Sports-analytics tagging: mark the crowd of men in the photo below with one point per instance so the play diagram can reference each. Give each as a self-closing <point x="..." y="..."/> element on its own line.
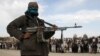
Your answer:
<point x="76" y="45"/>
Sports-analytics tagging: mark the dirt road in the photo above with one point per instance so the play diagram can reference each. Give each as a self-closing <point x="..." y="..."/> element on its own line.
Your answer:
<point x="17" y="53"/>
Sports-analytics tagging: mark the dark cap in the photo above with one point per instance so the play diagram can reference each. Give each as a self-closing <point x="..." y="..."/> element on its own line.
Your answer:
<point x="33" y="4"/>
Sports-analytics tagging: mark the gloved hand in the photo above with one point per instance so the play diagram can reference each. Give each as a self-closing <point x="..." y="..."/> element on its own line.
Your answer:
<point x="55" y="27"/>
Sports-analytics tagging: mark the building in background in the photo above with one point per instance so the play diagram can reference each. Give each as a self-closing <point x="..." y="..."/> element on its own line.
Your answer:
<point x="8" y="43"/>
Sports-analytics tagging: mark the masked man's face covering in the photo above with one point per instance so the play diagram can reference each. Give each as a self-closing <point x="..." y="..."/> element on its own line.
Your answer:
<point x="32" y="9"/>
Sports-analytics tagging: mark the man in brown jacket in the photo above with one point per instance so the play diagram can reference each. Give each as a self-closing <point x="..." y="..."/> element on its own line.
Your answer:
<point x="28" y="41"/>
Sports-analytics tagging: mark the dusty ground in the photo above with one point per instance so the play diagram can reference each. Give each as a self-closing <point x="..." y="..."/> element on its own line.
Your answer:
<point x="73" y="54"/>
<point x="17" y="53"/>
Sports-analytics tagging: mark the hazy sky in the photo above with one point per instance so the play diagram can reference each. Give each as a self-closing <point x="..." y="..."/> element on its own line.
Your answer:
<point x="58" y="12"/>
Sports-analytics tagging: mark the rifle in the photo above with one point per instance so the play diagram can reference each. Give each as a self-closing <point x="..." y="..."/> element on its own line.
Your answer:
<point x="40" y="30"/>
<point x="47" y="29"/>
<point x="40" y="36"/>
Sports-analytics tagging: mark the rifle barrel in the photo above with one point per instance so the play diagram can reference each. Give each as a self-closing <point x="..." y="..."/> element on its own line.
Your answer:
<point x="34" y="29"/>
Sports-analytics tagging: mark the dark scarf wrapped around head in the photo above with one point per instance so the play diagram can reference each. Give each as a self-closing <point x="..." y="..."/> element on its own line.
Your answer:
<point x="32" y="9"/>
<point x="32" y="12"/>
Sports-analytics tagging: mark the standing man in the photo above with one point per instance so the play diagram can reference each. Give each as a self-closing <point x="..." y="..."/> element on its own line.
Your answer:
<point x="29" y="44"/>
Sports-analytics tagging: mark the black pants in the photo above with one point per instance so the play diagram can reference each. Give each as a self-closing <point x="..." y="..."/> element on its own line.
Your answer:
<point x="34" y="55"/>
<point x="30" y="55"/>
